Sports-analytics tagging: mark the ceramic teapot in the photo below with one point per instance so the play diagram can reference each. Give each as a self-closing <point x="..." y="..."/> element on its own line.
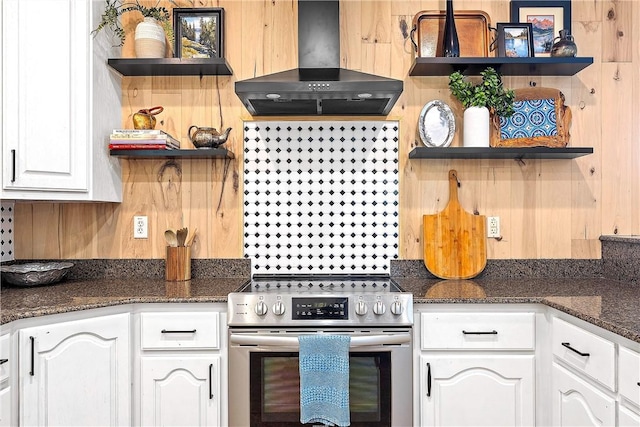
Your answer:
<point x="206" y="137"/>
<point x="144" y="119"/>
<point x="564" y="46"/>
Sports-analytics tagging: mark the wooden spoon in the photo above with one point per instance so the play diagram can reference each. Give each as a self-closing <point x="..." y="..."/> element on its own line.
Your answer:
<point x="171" y="238"/>
<point x="181" y="235"/>
<point x="193" y="235"/>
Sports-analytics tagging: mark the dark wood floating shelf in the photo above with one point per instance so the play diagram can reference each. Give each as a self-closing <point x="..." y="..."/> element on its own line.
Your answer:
<point x="498" y="153"/>
<point x="201" y="153"/>
<point x="546" y="66"/>
<point x="171" y="66"/>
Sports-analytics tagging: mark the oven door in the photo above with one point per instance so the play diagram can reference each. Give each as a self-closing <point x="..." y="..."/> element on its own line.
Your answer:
<point x="264" y="381"/>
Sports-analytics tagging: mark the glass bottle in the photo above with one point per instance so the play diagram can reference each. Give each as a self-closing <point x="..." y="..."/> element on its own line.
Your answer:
<point x="450" y="44"/>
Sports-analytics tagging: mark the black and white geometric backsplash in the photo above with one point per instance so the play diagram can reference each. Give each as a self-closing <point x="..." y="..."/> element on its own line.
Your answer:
<point x="6" y="231"/>
<point x="321" y="197"/>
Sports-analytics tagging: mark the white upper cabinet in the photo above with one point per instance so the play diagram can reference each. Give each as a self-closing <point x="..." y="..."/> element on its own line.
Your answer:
<point x="60" y="101"/>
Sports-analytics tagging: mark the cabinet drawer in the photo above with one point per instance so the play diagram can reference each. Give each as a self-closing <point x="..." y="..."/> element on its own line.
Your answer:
<point x="588" y="353"/>
<point x="4" y="355"/>
<point x="629" y="374"/>
<point x="478" y="331"/>
<point x="180" y="330"/>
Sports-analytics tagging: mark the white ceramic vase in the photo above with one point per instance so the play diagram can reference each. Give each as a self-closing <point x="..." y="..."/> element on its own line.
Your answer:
<point x="476" y="127"/>
<point x="150" y="39"/>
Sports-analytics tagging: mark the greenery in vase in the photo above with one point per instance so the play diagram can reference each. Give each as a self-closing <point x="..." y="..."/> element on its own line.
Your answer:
<point x="489" y="93"/>
<point x="115" y="8"/>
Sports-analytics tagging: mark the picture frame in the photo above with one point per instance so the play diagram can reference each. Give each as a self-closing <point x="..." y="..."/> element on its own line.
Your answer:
<point x="515" y="40"/>
<point x="547" y="17"/>
<point x="198" y="32"/>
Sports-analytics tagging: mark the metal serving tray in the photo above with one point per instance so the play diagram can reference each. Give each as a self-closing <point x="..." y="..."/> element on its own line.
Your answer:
<point x="472" y="27"/>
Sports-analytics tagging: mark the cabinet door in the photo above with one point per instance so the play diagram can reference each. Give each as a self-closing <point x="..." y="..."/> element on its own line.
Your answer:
<point x="180" y="391"/>
<point x="578" y="403"/>
<point x="5" y="407"/>
<point x="461" y="390"/>
<point x="5" y="387"/>
<point x="46" y="92"/>
<point x="76" y="373"/>
<point x="627" y="418"/>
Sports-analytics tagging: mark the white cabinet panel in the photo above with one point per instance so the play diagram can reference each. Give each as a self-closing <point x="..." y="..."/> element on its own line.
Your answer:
<point x="477" y="390"/>
<point x="590" y="354"/>
<point x="180" y="391"/>
<point x="5" y="407"/>
<point x="479" y="331"/>
<point x="59" y="103"/>
<point x="629" y="375"/>
<point x="76" y="373"/>
<point x="180" y="330"/>
<point x="627" y="418"/>
<point x="579" y="404"/>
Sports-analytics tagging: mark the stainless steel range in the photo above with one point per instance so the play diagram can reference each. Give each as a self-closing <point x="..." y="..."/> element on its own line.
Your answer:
<point x="268" y="314"/>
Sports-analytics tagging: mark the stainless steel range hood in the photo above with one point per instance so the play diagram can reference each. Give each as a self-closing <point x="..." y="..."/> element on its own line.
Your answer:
<point x="319" y="86"/>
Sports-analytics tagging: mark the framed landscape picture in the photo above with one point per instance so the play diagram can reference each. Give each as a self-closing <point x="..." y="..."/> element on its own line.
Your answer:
<point x="515" y="40"/>
<point x="198" y="32"/>
<point x="547" y="18"/>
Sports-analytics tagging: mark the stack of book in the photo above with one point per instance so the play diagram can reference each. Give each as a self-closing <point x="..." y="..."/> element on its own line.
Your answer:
<point x="142" y="139"/>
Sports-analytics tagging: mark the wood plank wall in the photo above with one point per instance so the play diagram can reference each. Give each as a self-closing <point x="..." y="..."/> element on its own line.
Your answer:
<point x="548" y="208"/>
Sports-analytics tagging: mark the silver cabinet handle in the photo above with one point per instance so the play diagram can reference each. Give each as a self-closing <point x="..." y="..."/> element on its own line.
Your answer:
<point x="3" y="361"/>
<point x="169" y="331"/>
<point x="358" y="341"/>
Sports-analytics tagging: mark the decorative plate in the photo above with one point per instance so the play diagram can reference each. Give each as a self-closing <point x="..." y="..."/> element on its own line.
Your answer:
<point x="436" y="125"/>
<point x="35" y="273"/>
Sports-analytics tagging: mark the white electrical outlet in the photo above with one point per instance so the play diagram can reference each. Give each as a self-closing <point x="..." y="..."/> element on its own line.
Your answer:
<point x="140" y="229"/>
<point x="493" y="226"/>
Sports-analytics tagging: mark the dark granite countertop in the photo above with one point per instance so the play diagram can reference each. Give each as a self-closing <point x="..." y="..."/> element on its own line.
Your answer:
<point x="612" y="305"/>
<point x="73" y="295"/>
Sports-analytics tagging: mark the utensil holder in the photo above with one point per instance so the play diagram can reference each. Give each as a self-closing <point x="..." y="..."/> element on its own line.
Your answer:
<point x="178" y="263"/>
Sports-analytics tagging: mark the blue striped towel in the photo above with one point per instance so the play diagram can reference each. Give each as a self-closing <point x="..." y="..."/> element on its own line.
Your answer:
<point x="324" y="379"/>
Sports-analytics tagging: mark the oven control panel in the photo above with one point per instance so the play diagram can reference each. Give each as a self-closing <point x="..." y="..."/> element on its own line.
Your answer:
<point x="269" y="309"/>
<point x="319" y="308"/>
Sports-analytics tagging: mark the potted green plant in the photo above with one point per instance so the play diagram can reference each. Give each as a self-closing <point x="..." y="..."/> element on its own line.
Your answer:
<point x="481" y="100"/>
<point x="150" y="34"/>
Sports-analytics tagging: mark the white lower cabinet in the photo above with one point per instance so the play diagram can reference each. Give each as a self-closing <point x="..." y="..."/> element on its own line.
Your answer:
<point x="490" y="390"/>
<point x="5" y="385"/>
<point x="627" y="418"/>
<point x="182" y="368"/>
<point x="578" y="403"/>
<point x="76" y="373"/>
<point x="476" y="368"/>
<point x="180" y="391"/>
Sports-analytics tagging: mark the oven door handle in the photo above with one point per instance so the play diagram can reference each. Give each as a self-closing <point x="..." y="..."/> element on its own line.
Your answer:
<point x="356" y="341"/>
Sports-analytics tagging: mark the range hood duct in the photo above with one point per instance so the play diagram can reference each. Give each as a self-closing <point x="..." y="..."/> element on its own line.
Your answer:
<point x="319" y="86"/>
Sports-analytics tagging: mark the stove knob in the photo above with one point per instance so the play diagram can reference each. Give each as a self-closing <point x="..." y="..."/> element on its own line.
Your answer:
<point x="261" y="308"/>
<point x="379" y="308"/>
<point x="278" y="308"/>
<point x="361" y="308"/>
<point x="396" y="308"/>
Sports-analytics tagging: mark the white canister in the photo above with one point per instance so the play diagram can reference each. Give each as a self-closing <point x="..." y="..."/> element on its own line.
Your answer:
<point x="476" y="127"/>
<point x="150" y="39"/>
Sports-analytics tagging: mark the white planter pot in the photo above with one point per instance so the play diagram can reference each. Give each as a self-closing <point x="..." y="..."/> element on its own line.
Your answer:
<point x="150" y="39"/>
<point x="476" y="127"/>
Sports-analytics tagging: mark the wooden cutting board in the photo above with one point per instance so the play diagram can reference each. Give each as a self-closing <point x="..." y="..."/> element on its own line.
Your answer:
<point x="454" y="240"/>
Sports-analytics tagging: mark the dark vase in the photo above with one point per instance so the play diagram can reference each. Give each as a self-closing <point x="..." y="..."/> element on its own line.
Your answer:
<point x="450" y="45"/>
